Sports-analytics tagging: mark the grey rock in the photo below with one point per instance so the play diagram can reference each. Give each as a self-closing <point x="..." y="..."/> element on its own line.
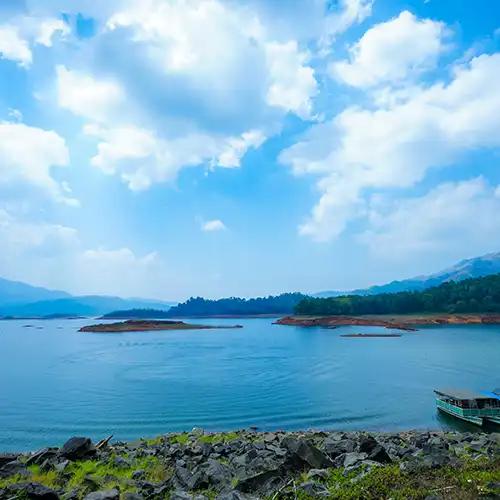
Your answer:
<point x="121" y="463"/>
<point x="217" y="473"/>
<point x="132" y="496"/>
<point x="317" y="474"/>
<point x="12" y="468"/>
<point x="138" y="474"/>
<point x="60" y="466"/>
<point x="354" y="459"/>
<point x="103" y="495"/>
<point x="374" y="450"/>
<point x="5" y="458"/>
<point x="41" y="456"/>
<point x="234" y="495"/>
<point x="263" y="483"/>
<point x="307" y="453"/>
<point x="180" y="495"/>
<point x="34" y="491"/>
<point x="336" y="447"/>
<point x="77" y="447"/>
<point x="313" y="489"/>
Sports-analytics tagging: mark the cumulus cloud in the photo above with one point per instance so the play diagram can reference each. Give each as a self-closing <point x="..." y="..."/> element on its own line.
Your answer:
<point x="83" y="95"/>
<point x="395" y="146"/>
<point x="213" y="225"/>
<point x="439" y="221"/>
<point x="53" y="255"/>
<point x="27" y="155"/>
<point x="21" y="33"/>
<point x="392" y="52"/>
<point x="13" y="47"/>
<point x="293" y="83"/>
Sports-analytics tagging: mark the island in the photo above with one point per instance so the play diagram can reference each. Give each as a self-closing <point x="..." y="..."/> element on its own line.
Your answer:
<point x="149" y="325"/>
<point x="408" y="322"/>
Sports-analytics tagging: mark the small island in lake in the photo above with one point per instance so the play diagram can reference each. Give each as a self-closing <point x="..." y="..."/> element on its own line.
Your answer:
<point x="148" y="325"/>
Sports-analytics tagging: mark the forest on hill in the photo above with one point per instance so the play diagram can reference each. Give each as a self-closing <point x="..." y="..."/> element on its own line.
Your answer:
<point x="477" y="295"/>
<point x="235" y="306"/>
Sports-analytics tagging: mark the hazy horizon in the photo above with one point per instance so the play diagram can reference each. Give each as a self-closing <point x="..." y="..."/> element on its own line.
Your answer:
<point x="217" y="148"/>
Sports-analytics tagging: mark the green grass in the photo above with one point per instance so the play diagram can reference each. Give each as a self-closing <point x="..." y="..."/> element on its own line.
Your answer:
<point x="88" y="475"/>
<point x="219" y="437"/>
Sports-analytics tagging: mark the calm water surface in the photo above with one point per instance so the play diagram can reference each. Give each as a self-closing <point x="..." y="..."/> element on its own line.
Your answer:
<point x="55" y="382"/>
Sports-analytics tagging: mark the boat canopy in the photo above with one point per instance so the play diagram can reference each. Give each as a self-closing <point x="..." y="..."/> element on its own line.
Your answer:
<point x="465" y="395"/>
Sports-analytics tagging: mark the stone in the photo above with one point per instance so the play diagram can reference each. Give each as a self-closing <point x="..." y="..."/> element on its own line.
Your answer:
<point x="77" y="447"/>
<point x="307" y="453"/>
<point x="13" y="468"/>
<point x="180" y="495"/>
<point x="315" y="490"/>
<point x="121" y="463"/>
<point x="336" y="447"/>
<point x="103" y="495"/>
<point x="60" y="466"/>
<point x="138" y="474"/>
<point x="264" y="482"/>
<point x="317" y="474"/>
<point x="5" y="458"/>
<point x="354" y="459"/>
<point x="42" y="456"/>
<point x="132" y="496"/>
<point x="374" y="450"/>
<point x="34" y="491"/>
<point x="217" y="473"/>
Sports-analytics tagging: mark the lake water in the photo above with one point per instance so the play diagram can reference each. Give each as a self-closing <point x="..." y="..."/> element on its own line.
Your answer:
<point x="55" y="382"/>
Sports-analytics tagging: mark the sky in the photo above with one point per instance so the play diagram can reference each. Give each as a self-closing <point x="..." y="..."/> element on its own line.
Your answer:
<point x="170" y="148"/>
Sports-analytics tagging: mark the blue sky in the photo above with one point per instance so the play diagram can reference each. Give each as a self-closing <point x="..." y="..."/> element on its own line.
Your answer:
<point x="168" y="148"/>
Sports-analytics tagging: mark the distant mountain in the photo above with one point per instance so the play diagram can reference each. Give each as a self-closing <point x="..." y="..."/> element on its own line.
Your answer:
<point x="138" y="314"/>
<point x="465" y="269"/>
<point x="15" y="292"/>
<point x="21" y="299"/>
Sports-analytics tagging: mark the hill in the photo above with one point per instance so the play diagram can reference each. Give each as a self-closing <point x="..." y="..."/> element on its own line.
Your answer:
<point x="234" y="306"/>
<point x="465" y="269"/>
<point x="138" y="314"/>
<point x="476" y="295"/>
<point x="23" y="300"/>
<point x="15" y="292"/>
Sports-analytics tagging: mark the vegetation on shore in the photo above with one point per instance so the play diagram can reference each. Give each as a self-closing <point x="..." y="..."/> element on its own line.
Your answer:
<point x="137" y="314"/>
<point x="235" y="306"/>
<point x="251" y="465"/>
<point x="479" y="295"/>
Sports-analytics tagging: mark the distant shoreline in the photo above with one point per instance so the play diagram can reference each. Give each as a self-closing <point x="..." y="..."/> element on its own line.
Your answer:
<point x="408" y="322"/>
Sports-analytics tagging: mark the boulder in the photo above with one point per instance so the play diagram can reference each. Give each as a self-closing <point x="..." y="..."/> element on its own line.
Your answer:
<point x="354" y="459"/>
<point x="307" y="453"/>
<point x="315" y="490"/>
<point x="13" y="468"/>
<point x="103" y="495"/>
<point x="132" y="496"/>
<point x="264" y="483"/>
<point x="5" y="458"/>
<point x="33" y="491"/>
<point x="374" y="450"/>
<point x="217" y="473"/>
<point x="336" y="447"/>
<point x="77" y="447"/>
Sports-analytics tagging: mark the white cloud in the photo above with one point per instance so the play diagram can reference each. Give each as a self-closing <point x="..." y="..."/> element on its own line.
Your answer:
<point x="53" y="255"/>
<point x="27" y="155"/>
<point x="449" y="218"/>
<point x="83" y="95"/>
<point x="141" y="157"/>
<point x="392" y="52"/>
<point x="213" y="225"/>
<point x="292" y="81"/>
<point x="236" y="147"/>
<point x="394" y="147"/>
<point x="13" y="46"/>
<point x="48" y="27"/>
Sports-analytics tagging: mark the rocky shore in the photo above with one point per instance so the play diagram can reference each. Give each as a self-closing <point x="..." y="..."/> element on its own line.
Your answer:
<point x="408" y="322"/>
<point x="249" y="465"/>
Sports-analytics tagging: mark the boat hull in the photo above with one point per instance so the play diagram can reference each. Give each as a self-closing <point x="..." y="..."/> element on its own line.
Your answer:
<point x="450" y="410"/>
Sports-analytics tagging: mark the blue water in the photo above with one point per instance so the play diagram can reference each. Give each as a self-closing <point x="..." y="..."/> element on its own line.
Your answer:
<point x="55" y="382"/>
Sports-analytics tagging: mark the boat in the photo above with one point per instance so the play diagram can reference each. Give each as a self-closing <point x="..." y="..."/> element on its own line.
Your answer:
<point x="475" y="407"/>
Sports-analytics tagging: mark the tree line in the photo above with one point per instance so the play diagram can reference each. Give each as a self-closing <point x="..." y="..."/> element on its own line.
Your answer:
<point x="476" y="295"/>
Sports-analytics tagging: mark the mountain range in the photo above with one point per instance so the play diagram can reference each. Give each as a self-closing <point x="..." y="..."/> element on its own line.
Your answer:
<point x="22" y="300"/>
<point x="468" y="268"/>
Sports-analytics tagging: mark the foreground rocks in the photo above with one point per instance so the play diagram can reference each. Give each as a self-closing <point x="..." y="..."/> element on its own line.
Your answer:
<point x="248" y="465"/>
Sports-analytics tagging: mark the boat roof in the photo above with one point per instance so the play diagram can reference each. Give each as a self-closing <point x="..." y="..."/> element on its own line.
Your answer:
<point x="466" y="394"/>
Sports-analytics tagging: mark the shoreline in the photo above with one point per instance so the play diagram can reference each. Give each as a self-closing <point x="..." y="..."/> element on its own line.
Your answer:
<point x="408" y="322"/>
<point x="247" y="464"/>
